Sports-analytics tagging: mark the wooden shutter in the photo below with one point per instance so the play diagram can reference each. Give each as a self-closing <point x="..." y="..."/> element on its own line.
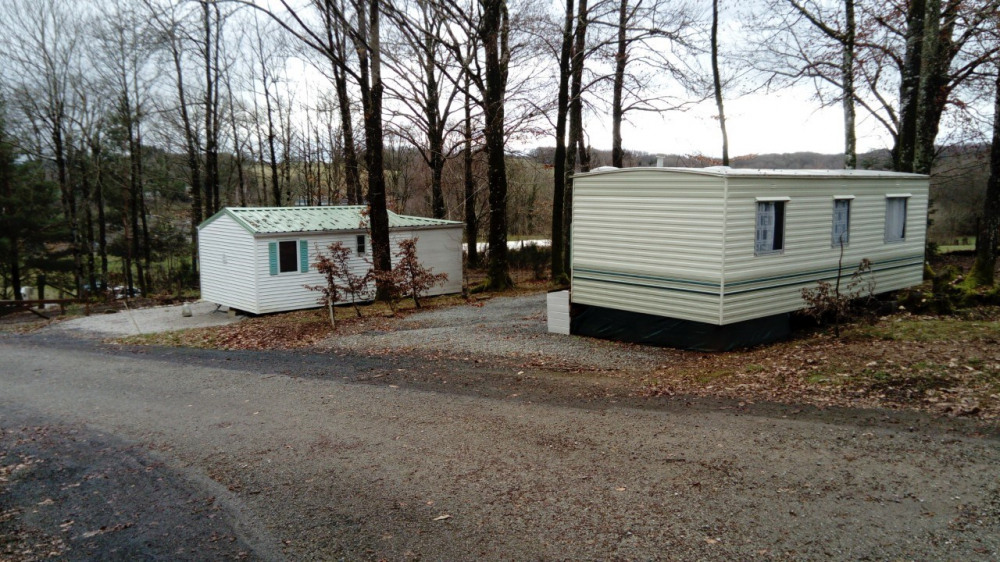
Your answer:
<point x="303" y="256"/>
<point x="272" y="257"/>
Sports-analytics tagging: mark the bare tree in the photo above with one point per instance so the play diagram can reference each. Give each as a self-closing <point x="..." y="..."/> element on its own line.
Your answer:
<point x="988" y="240"/>
<point x="421" y="90"/>
<point x="717" y="82"/>
<point x="362" y="27"/>
<point x="42" y="38"/>
<point x="169" y="22"/>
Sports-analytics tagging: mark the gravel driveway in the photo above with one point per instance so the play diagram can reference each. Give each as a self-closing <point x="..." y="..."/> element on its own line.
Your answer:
<point x="132" y="322"/>
<point x="502" y="329"/>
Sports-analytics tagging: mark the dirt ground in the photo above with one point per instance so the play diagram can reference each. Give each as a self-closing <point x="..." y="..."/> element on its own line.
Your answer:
<point x="347" y="455"/>
<point x="467" y="431"/>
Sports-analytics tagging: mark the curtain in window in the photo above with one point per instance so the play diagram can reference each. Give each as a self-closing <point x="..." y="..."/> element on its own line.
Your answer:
<point x="765" y="227"/>
<point x="895" y="219"/>
<point x="841" y="222"/>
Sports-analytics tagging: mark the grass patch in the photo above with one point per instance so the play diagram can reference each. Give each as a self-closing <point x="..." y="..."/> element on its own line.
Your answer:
<point x="926" y="329"/>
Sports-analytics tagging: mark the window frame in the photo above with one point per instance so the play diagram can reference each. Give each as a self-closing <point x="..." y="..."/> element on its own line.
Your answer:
<point x="834" y="242"/>
<point x="361" y="244"/>
<point x="295" y="261"/>
<point x="889" y="199"/>
<point x="780" y="224"/>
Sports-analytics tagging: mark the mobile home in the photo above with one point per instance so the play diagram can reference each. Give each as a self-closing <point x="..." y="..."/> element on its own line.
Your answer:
<point x="259" y="260"/>
<point x="714" y="258"/>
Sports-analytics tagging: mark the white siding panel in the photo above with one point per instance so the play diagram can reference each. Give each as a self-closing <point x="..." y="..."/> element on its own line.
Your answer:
<point x="226" y="256"/>
<point x="639" y="241"/>
<point x="648" y="300"/>
<point x="439" y="249"/>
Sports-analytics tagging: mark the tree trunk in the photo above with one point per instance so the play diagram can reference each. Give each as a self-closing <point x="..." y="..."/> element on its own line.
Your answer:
<point x="575" y="126"/>
<point x="493" y="27"/>
<point x="102" y="224"/>
<point x="352" y="175"/>
<point x="937" y="57"/>
<point x="909" y="88"/>
<point x="370" y="62"/>
<point x="471" y="221"/>
<point x="984" y="267"/>
<point x="559" y="158"/>
<point x="717" y="82"/>
<point x="272" y="152"/>
<point x="190" y="144"/>
<point x="618" y="85"/>
<point x="211" y="186"/>
<point x="68" y="196"/>
<point x="847" y="73"/>
<point x="435" y="128"/>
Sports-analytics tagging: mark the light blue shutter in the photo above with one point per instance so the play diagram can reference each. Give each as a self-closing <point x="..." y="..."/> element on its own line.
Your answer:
<point x="303" y="256"/>
<point x="272" y="257"/>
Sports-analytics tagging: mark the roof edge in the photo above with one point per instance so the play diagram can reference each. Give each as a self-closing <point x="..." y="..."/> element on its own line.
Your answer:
<point x="226" y="212"/>
<point x="727" y="172"/>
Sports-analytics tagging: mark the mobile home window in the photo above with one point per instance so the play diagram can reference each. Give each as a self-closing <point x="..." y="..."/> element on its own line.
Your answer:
<point x="361" y="244"/>
<point x="841" y="222"/>
<point x="770" y="238"/>
<point x="895" y="219"/>
<point x="288" y="256"/>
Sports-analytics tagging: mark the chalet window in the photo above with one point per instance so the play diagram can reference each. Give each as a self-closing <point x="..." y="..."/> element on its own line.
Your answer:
<point x="770" y="237"/>
<point x="361" y="244"/>
<point x="288" y="256"/>
<point x="895" y="218"/>
<point x="841" y="222"/>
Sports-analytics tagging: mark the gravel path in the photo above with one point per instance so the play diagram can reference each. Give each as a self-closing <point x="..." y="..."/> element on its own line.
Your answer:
<point x="145" y="321"/>
<point x="501" y="329"/>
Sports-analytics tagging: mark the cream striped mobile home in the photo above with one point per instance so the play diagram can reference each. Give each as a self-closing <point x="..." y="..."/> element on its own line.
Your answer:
<point x="717" y="257"/>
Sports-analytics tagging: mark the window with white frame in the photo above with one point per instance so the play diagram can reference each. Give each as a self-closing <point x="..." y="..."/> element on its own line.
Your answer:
<point x="895" y="218"/>
<point x="361" y="244"/>
<point x="770" y="236"/>
<point x="841" y="235"/>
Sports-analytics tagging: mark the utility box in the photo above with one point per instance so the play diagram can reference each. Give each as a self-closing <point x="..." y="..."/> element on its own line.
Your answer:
<point x="557" y="307"/>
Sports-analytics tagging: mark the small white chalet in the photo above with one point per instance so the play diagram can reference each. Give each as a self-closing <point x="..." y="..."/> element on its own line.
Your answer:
<point x="259" y="259"/>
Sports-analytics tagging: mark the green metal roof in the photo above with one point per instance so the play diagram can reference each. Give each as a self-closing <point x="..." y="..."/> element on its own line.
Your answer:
<point x="280" y="220"/>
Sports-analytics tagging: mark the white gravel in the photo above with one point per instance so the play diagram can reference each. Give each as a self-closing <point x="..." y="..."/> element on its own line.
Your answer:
<point x="507" y="328"/>
<point x="146" y="320"/>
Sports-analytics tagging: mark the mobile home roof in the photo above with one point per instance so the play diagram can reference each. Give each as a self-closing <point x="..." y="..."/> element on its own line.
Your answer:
<point x="727" y="172"/>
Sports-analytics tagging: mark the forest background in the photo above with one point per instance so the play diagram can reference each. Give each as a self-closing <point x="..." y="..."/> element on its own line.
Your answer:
<point x="125" y="123"/>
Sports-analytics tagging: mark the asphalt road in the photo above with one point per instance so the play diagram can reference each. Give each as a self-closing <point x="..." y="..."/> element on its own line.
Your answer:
<point x="325" y="456"/>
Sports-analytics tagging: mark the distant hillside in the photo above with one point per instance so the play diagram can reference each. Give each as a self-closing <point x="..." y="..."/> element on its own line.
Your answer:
<point x="874" y="160"/>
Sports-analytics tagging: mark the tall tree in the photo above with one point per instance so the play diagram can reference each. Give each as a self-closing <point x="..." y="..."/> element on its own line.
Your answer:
<point x="27" y="213"/>
<point x="362" y="26"/>
<point x="169" y="22"/>
<point x="560" y="176"/>
<point x="493" y="31"/>
<point x="717" y="82"/>
<point x="212" y="32"/>
<point x="42" y="39"/>
<point x="421" y="90"/>
<point x="988" y="240"/>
